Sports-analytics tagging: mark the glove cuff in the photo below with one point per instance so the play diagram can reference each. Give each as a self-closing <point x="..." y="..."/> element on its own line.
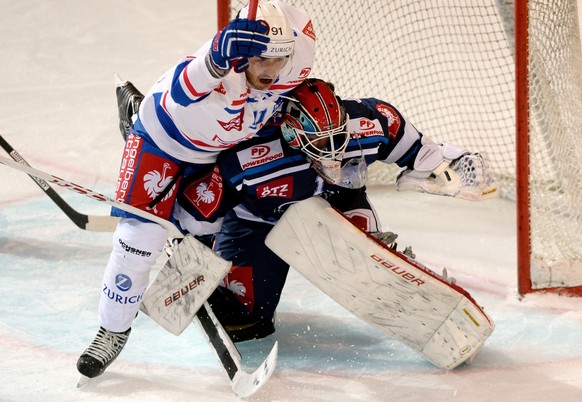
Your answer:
<point x="214" y="70"/>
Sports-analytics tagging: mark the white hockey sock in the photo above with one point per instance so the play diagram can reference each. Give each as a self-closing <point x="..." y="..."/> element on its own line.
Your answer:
<point x="136" y="247"/>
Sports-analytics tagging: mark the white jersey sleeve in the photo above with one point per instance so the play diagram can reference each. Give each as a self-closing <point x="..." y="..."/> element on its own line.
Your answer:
<point x="192" y="115"/>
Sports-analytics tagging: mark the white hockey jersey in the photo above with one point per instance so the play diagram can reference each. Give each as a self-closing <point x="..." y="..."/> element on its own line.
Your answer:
<point x="192" y="116"/>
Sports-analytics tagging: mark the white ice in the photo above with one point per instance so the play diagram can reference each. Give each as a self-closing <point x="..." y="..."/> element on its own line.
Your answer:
<point x="57" y="107"/>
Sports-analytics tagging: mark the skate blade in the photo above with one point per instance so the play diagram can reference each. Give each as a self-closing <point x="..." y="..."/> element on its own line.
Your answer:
<point x="82" y="381"/>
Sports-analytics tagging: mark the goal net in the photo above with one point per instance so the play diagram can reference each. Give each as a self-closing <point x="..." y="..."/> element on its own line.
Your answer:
<point x="450" y="67"/>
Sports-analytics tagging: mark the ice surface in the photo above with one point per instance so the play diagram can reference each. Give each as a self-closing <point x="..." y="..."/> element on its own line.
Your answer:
<point x="57" y="107"/>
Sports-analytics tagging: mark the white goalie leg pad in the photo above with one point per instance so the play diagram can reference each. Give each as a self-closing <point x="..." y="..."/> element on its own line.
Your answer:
<point x="452" y="171"/>
<point x="382" y="287"/>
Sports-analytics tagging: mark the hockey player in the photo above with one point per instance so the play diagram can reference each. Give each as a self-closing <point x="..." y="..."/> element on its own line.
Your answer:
<point x="210" y="101"/>
<point x="322" y="147"/>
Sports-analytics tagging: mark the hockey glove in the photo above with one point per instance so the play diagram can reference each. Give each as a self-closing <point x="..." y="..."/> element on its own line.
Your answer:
<point x="452" y="171"/>
<point x="241" y="39"/>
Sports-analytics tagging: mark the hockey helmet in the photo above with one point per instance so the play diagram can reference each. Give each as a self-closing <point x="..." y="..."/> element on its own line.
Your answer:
<point x="281" y="35"/>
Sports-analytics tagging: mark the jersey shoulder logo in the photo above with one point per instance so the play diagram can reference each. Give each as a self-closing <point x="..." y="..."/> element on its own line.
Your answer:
<point x="155" y="182"/>
<point x="392" y="117"/>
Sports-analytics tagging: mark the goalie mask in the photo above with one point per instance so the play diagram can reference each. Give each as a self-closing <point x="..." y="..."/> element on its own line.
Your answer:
<point x="314" y="122"/>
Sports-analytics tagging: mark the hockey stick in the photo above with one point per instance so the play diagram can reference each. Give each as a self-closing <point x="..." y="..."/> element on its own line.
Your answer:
<point x="243" y="384"/>
<point x="253" y="4"/>
<point x="173" y="231"/>
<point x="86" y="222"/>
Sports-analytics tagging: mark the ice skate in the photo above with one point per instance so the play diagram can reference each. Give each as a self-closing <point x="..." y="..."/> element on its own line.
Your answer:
<point x="128" y="101"/>
<point x="102" y="352"/>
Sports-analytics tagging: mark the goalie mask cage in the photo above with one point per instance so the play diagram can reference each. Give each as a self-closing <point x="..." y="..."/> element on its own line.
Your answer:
<point x="492" y="76"/>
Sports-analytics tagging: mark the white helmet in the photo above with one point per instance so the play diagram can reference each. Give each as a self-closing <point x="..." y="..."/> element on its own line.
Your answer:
<point x="281" y="35"/>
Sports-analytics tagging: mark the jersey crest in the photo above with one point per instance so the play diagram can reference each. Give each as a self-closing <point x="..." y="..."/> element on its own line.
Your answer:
<point x="234" y="124"/>
<point x="206" y="193"/>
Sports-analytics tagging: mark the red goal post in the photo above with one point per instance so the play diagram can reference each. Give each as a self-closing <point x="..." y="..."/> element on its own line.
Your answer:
<point x="495" y="76"/>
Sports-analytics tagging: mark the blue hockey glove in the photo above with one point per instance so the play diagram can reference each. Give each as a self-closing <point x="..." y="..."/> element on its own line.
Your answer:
<point x="241" y="39"/>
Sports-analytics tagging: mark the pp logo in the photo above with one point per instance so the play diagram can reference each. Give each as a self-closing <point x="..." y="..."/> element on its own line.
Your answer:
<point x="123" y="282"/>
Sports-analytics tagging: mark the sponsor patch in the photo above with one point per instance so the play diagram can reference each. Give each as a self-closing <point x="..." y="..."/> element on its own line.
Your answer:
<point x="281" y="188"/>
<point x="304" y="73"/>
<point x="123" y="282"/>
<point x="128" y="166"/>
<point x="127" y="248"/>
<point x="363" y="127"/>
<point x="260" y="154"/>
<point x="121" y="298"/>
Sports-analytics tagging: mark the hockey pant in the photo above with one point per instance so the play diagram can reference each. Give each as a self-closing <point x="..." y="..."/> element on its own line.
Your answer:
<point x="246" y="300"/>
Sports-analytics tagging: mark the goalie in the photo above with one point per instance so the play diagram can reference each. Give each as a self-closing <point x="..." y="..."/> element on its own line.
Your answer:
<point x="321" y="145"/>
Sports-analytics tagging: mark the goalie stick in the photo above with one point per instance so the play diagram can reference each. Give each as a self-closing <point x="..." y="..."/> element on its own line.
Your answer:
<point x="86" y="222"/>
<point x="178" y="295"/>
<point x="243" y="384"/>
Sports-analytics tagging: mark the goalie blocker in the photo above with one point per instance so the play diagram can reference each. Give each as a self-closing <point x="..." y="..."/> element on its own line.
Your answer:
<point x="381" y="286"/>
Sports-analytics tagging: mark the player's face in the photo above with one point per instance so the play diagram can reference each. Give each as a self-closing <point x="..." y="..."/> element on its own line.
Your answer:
<point x="263" y="71"/>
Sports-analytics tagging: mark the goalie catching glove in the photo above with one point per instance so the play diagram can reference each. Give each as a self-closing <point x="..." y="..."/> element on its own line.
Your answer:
<point x="449" y="170"/>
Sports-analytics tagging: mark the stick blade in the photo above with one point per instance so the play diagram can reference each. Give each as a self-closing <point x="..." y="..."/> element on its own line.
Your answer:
<point x="246" y="384"/>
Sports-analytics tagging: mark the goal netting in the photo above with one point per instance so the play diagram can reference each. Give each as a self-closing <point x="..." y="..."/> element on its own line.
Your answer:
<point x="450" y="67"/>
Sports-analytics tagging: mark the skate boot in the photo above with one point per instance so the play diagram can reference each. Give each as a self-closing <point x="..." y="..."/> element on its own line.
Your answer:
<point x="128" y="101"/>
<point x="102" y="352"/>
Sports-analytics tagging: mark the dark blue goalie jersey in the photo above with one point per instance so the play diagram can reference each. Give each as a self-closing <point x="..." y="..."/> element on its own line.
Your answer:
<point x="261" y="177"/>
